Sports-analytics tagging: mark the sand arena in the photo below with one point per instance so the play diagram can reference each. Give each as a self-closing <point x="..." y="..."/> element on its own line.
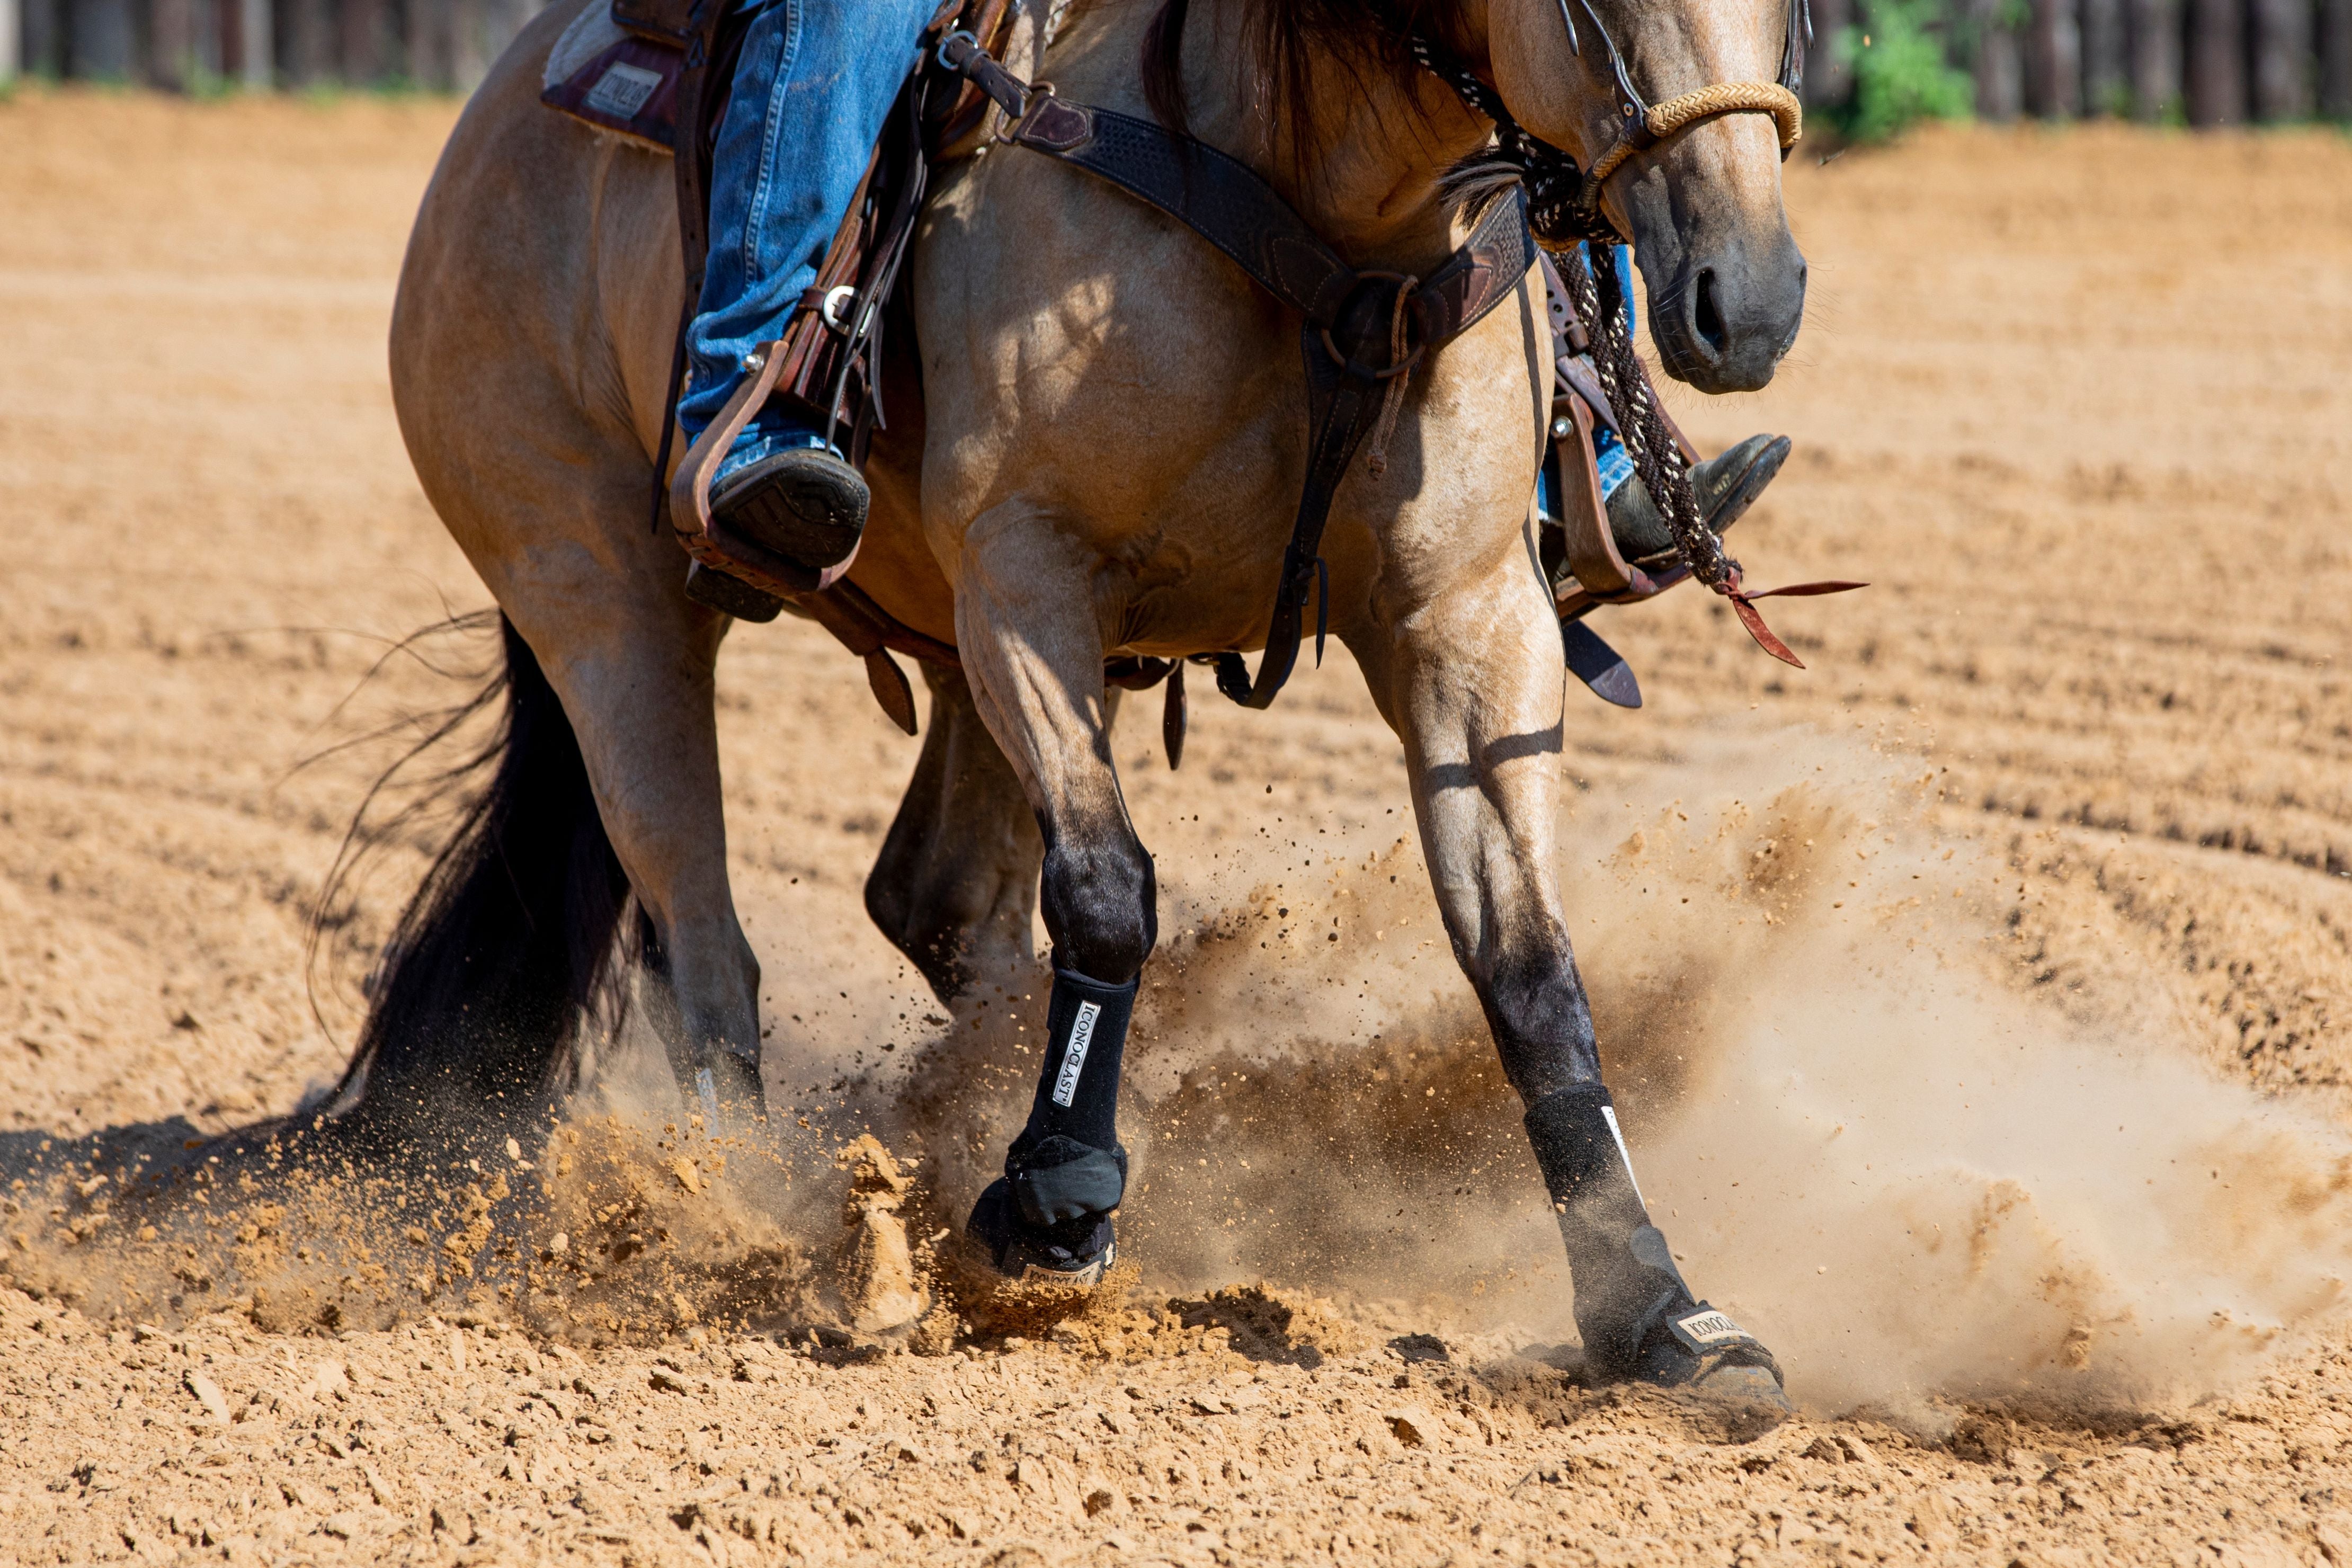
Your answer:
<point x="1978" y="998"/>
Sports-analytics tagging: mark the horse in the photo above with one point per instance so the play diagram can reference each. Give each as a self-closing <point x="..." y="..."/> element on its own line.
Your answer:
<point x="1057" y="321"/>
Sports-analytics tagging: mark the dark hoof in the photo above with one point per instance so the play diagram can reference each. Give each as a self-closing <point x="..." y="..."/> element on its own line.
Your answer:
<point x="1073" y="1252"/>
<point x="806" y="505"/>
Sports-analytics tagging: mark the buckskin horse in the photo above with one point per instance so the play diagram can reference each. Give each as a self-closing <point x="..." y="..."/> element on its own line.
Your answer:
<point x="1060" y="319"/>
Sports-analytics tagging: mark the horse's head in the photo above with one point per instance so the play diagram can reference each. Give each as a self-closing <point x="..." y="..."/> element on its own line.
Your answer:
<point x="1727" y="282"/>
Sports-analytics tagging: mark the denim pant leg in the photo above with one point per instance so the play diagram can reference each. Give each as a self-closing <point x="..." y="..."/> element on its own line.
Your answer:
<point x="815" y="82"/>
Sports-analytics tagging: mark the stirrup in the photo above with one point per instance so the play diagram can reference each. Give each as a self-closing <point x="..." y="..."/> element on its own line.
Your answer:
<point x="707" y="539"/>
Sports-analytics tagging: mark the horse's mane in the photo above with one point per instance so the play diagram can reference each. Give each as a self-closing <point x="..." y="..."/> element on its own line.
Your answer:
<point x="1293" y="40"/>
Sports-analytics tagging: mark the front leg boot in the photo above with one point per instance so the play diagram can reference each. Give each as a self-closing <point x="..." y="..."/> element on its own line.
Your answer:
<point x="1050" y="1214"/>
<point x="1639" y="1321"/>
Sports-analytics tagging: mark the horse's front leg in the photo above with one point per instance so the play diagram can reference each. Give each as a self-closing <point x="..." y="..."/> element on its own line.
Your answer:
<point x="1030" y="628"/>
<point x="1473" y="682"/>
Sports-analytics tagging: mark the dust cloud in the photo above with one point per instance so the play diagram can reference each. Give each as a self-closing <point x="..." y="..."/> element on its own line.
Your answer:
<point x="1868" y="1130"/>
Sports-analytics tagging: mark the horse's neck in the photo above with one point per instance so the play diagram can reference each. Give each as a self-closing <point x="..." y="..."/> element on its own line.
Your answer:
<point x="1370" y="183"/>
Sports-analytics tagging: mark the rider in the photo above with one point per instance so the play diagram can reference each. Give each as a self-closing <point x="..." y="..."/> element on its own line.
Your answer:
<point x="812" y="89"/>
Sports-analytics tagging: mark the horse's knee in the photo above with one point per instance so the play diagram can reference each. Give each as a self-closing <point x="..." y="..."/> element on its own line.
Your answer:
<point x="1101" y="906"/>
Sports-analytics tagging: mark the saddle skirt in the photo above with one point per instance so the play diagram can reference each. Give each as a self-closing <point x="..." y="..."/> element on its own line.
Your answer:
<point x="614" y="80"/>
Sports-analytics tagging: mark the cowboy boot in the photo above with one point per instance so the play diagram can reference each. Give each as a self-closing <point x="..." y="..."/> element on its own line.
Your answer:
<point x="1726" y="486"/>
<point x="798" y="501"/>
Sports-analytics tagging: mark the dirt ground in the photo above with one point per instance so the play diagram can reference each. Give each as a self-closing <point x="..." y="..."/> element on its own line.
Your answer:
<point x="2052" y="837"/>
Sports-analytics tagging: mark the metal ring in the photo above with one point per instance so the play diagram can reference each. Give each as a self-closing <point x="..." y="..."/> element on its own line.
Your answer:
<point x="835" y="310"/>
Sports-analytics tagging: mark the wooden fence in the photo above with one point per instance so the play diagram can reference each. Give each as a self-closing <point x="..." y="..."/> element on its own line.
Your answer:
<point x="2208" y="62"/>
<point x="2211" y="62"/>
<point x="189" y="44"/>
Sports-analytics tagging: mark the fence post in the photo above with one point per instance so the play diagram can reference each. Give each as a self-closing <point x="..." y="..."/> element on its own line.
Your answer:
<point x="2217" y="62"/>
<point x="2283" y="62"/>
<point x="362" y="40"/>
<point x="2336" y="59"/>
<point x="428" y="23"/>
<point x="1999" y="67"/>
<point x="2054" y="59"/>
<point x="170" y="43"/>
<point x="2106" y="60"/>
<point x="44" y="39"/>
<point x="246" y="45"/>
<point x="102" y="44"/>
<point x="12" y="32"/>
<point x="2155" y="27"/>
<point x="468" y="64"/>
<point x="1829" y="74"/>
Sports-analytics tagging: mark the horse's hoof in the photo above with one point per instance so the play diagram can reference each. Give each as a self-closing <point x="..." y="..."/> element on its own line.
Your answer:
<point x="804" y="504"/>
<point x="1076" y="1252"/>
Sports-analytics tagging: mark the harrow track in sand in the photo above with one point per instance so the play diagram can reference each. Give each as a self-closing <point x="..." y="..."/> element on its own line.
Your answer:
<point x="2058" y="815"/>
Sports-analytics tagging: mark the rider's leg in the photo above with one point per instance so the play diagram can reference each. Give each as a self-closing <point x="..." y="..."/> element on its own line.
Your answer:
<point x="1026" y="621"/>
<point x="814" y="87"/>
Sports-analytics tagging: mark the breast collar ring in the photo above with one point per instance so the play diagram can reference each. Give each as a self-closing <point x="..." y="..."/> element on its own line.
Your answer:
<point x="1641" y="127"/>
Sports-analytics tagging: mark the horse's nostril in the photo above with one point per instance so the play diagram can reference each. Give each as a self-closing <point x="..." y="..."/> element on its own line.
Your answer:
<point x="1707" y="315"/>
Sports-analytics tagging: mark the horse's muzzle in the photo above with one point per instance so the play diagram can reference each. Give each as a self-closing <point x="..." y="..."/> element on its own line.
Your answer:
<point x="1730" y="311"/>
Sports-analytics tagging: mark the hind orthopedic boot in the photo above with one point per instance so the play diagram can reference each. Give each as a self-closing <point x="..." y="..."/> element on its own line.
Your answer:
<point x="1050" y="1214"/>
<point x="1639" y="1321"/>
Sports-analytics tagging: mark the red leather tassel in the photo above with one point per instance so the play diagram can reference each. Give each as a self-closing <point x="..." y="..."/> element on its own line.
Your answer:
<point x="1754" y="622"/>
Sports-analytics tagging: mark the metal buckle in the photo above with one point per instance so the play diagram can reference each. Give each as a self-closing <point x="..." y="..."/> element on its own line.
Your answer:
<point x="1038" y="92"/>
<point x="835" y="310"/>
<point x="964" y="34"/>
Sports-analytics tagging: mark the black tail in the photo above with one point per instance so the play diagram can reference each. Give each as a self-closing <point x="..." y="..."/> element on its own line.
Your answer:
<point x="481" y="993"/>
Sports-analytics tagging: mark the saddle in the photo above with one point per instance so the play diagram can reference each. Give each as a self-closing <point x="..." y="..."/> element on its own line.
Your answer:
<point x="656" y="73"/>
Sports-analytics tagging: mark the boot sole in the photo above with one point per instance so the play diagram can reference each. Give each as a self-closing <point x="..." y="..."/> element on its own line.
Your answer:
<point x="807" y="507"/>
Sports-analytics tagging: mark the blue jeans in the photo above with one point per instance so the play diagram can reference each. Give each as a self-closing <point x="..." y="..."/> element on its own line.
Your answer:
<point x="812" y="91"/>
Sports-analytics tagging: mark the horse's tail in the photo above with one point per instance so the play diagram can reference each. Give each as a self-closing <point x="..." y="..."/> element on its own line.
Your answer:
<point x="476" y="1005"/>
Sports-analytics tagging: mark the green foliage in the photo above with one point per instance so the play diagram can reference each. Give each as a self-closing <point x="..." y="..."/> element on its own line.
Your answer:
<point x="1902" y="73"/>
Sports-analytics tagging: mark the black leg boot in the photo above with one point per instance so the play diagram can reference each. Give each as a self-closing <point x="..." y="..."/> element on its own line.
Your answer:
<point x="1065" y="1175"/>
<point x="1639" y="1321"/>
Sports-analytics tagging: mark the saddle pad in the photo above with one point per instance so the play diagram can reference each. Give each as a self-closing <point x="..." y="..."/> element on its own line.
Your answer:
<point x="614" y="81"/>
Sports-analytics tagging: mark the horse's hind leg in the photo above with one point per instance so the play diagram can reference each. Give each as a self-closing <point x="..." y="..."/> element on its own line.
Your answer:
<point x="1473" y="683"/>
<point x="636" y="670"/>
<point x="597" y="600"/>
<point x="956" y="883"/>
